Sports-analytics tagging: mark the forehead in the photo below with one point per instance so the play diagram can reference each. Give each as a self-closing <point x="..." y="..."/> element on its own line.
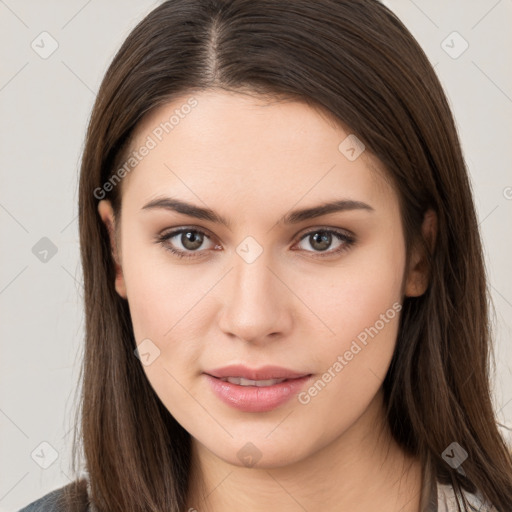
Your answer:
<point x="246" y="149"/>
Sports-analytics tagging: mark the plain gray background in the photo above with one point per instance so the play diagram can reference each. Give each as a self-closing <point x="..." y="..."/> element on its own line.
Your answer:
<point x="45" y="103"/>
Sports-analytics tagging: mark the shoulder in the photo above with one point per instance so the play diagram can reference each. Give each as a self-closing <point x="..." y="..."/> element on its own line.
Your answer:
<point x="53" y="501"/>
<point x="48" y="503"/>
<point x="447" y="500"/>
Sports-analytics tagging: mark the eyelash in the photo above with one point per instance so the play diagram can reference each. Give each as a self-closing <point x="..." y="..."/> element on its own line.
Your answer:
<point x="347" y="240"/>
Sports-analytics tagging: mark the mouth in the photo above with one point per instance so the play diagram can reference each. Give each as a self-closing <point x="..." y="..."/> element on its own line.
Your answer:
<point x="249" y="395"/>
<point x="264" y="376"/>
<point x="241" y="381"/>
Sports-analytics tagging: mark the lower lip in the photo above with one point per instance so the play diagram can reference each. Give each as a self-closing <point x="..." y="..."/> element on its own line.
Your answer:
<point x="256" y="399"/>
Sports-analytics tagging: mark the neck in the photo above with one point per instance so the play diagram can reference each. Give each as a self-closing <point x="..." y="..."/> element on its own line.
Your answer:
<point x="361" y="467"/>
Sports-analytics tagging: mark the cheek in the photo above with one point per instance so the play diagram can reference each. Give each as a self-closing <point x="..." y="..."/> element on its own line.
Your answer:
<point x="351" y="296"/>
<point x="361" y="306"/>
<point x="168" y="303"/>
<point x="158" y="292"/>
<point x="148" y="299"/>
<point x="344" y="299"/>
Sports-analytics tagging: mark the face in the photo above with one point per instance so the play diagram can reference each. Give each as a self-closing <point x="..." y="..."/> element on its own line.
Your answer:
<point x="319" y="295"/>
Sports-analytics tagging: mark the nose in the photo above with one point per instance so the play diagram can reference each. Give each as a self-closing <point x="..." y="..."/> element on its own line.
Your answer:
<point x="257" y="304"/>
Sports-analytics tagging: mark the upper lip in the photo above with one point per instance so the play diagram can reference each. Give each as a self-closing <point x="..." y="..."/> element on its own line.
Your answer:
<point x="263" y="373"/>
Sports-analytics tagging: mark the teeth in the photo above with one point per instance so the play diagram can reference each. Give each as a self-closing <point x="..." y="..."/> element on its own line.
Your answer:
<point x="247" y="382"/>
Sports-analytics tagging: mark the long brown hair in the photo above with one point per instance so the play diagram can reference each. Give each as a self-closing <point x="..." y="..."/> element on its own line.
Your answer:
<point x="355" y="60"/>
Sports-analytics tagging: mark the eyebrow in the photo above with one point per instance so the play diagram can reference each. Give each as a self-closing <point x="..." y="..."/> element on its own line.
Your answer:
<point x="294" y="217"/>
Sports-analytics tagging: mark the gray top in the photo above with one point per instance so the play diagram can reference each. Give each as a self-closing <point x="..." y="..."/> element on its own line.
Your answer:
<point x="444" y="501"/>
<point x="48" y="503"/>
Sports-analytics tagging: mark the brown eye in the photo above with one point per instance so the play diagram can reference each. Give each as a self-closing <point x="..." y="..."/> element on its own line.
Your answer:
<point x="321" y="239"/>
<point x="189" y="239"/>
<point x="186" y="242"/>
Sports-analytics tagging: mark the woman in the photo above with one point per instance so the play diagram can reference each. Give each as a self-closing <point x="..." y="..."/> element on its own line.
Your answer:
<point x="285" y="293"/>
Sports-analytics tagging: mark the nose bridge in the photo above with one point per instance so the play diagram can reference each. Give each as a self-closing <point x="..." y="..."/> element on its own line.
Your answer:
<point x="254" y="284"/>
<point x="255" y="306"/>
<point x="252" y="279"/>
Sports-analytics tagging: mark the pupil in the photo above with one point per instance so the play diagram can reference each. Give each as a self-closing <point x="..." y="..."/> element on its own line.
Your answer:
<point x="325" y="240"/>
<point x="191" y="240"/>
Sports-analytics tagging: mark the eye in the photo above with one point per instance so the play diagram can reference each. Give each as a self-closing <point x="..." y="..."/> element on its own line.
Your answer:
<point x="322" y="239"/>
<point x="192" y="239"/>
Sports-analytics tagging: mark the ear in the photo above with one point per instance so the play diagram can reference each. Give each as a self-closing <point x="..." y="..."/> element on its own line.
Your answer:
<point x="107" y="216"/>
<point x="418" y="275"/>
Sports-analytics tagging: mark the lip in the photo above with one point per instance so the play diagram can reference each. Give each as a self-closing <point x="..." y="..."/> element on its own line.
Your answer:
<point x="263" y="373"/>
<point x="256" y="399"/>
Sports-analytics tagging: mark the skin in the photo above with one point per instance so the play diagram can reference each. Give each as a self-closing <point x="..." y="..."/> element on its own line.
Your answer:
<point x="253" y="162"/>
